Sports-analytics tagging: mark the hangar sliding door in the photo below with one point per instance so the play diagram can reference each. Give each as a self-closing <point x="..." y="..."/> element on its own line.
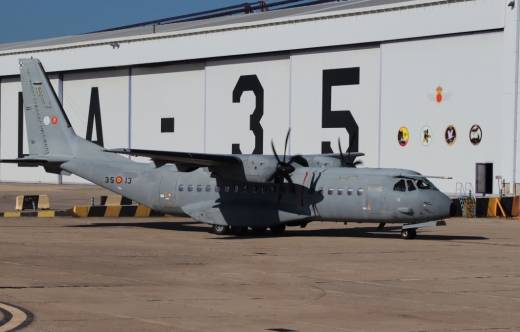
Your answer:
<point x="247" y="104"/>
<point x="168" y="108"/>
<point x="447" y="93"/>
<point x="335" y="94"/>
<point x="11" y="143"/>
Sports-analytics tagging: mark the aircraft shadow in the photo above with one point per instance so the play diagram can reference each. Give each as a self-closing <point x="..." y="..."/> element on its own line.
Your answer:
<point x="187" y="226"/>
<point x="359" y="232"/>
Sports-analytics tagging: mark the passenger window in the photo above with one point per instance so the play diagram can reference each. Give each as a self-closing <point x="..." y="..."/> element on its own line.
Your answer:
<point x="199" y="188"/>
<point x="350" y="191"/>
<point x="330" y="191"/>
<point x="236" y="188"/>
<point x="190" y="187"/>
<point x="217" y="189"/>
<point x="208" y="188"/>
<point x="340" y="192"/>
<point x="411" y="186"/>
<point x="254" y="188"/>
<point x="181" y="187"/>
<point x="227" y="189"/>
<point x="360" y="191"/>
<point x="400" y="186"/>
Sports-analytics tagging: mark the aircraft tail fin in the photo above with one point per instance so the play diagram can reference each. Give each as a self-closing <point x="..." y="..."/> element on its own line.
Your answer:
<point x="49" y="131"/>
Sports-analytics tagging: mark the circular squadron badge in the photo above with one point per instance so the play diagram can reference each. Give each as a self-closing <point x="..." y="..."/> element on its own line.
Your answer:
<point x="426" y="135"/>
<point x="403" y="136"/>
<point x="450" y="135"/>
<point x="475" y="134"/>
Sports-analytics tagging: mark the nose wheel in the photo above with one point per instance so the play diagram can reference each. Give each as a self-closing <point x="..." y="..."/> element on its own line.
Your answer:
<point x="408" y="234"/>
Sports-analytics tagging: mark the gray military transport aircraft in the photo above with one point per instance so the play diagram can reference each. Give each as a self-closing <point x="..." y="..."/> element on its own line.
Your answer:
<point x="230" y="192"/>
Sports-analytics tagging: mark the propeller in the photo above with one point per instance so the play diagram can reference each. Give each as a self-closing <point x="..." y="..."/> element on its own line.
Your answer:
<point x="348" y="161"/>
<point x="284" y="167"/>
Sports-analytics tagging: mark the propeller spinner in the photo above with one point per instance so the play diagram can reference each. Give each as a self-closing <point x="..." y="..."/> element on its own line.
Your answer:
<point x="284" y="168"/>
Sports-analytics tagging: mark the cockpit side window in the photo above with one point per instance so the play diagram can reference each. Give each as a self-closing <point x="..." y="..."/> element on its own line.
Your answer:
<point x="411" y="185"/>
<point x="400" y="186"/>
<point x="423" y="185"/>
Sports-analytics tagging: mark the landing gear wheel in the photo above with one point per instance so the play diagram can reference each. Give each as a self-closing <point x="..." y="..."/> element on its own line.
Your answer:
<point x="278" y="229"/>
<point x="238" y="230"/>
<point x="408" y="234"/>
<point x="259" y="229"/>
<point x="220" y="229"/>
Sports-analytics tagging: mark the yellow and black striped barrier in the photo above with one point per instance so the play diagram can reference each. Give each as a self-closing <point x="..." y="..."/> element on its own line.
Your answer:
<point x="36" y="214"/>
<point x="32" y="202"/>
<point x="486" y="207"/>
<point x="138" y="211"/>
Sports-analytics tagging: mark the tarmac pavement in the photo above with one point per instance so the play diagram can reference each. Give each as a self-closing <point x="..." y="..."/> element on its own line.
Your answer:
<point x="165" y="274"/>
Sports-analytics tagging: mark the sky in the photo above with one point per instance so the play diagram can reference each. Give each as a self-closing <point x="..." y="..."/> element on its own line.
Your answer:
<point x="22" y="20"/>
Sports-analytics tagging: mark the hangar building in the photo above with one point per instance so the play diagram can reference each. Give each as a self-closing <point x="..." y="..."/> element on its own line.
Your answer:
<point x="428" y="85"/>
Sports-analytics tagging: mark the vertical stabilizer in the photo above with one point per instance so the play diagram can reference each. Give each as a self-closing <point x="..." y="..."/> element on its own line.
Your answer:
<point x="49" y="131"/>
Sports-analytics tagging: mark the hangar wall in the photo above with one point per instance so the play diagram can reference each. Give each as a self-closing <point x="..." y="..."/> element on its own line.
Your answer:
<point x="320" y="94"/>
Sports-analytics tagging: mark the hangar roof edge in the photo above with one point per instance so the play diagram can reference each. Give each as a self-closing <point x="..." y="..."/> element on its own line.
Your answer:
<point x="323" y="11"/>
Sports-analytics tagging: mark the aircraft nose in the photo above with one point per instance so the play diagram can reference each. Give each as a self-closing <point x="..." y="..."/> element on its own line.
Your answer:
<point x="446" y="206"/>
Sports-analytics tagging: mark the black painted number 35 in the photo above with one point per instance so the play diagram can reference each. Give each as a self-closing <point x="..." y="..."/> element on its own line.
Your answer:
<point x="330" y="119"/>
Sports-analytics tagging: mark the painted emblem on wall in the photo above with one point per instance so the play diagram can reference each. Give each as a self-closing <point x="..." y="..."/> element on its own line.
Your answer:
<point x="450" y="135"/>
<point x="475" y="134"/>
<point x="426" y="135"/>
<point x="403" y="136"/>
<point x="439" y="95"/>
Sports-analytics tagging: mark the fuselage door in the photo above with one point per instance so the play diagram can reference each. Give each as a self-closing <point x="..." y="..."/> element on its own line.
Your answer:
<point x="375" y="201"/>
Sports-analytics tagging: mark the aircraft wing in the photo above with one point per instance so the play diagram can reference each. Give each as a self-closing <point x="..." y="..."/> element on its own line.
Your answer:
<point x="420" y="177"/>
<point x="227" y="166"/>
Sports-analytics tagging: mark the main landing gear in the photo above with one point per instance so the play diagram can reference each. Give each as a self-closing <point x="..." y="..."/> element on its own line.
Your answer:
<point x="242" y="230"/>
<point x="409" y="233"/>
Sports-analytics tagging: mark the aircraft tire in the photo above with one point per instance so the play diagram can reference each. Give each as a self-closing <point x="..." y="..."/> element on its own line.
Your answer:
<point x="259" y="229"/>
<point x="277" y="229"/>
<point x="220" y="229"/>
<point x="238" y="230"/>
<point x="408" y="234"/>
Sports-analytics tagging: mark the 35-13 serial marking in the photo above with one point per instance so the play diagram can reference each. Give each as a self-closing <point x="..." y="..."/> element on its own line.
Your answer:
<point x="118" y="179"/>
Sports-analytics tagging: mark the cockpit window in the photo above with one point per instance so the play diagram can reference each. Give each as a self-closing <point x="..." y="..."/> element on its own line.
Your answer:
<point x="411" y="185"/>
<point x="400" y="186"/>
<point x="423" y="185"/>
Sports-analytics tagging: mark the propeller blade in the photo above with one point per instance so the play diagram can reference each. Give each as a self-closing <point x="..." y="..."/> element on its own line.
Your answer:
<point x="274" y="151"/>
<point x="341" y="152"/>
<point x="288" y="178"/>
<point x="286" y="143"/>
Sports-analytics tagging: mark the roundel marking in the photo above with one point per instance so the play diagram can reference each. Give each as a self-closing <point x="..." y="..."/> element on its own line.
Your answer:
<point x="426" y="135"/>
<point x="438" y="95"/>
<point x="54" y="119"/>
<point x="475" y="134"/>
<point x="403" y="136"/>
<point x="119" y="179"/>
<point x="450" y="135"/>
<point x="46" y="120"/>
